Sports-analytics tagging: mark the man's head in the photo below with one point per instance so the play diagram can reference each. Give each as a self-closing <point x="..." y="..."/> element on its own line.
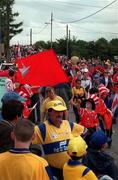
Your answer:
<point x="78" y="82"/>
<point x="90" y="104"/>
<point x="55" y="112"/>
<point x="12" y="110"/>
<point x="23" y="131"/>
<point x="50" y="92"/>
<point x="94" y="90"/>
<point x="77" y="147"/>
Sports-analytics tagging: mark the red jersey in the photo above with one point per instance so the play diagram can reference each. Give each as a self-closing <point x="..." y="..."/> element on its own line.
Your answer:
<point x="88" y="119"/>
<point x="104" y="112"/>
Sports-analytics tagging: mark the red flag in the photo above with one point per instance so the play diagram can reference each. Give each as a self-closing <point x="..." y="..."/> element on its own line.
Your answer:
<point x="41" y="69"/>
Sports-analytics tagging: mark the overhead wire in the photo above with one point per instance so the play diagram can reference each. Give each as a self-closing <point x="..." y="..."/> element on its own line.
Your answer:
<point x="88" y="16"/>
<point x="94" y="31"/>
<point x="75" y="4"/>
<point x="41" y="29"/>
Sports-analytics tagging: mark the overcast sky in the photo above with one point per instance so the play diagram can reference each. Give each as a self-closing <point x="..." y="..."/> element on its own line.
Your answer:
<point x="35" y="13"/>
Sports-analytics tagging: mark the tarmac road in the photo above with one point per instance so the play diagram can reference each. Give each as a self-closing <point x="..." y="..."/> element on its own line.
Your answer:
<point x="113" y="151"/>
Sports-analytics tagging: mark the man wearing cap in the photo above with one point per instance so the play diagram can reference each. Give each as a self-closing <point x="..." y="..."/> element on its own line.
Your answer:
<point x="54" y="135"/>
<point x="15" y="96"/>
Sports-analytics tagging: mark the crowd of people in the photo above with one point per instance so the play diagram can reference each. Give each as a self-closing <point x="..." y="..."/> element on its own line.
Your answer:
<point x="70" y="148"/>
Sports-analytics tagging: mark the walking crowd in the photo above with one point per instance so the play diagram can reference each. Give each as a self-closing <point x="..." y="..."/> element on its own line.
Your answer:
<point x="38" y="140"/>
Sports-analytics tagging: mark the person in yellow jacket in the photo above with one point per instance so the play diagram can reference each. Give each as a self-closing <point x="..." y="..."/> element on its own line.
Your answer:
<point x="74" y="169"/>
<point x="54" y="135"/>
<point x="19" y="163"/>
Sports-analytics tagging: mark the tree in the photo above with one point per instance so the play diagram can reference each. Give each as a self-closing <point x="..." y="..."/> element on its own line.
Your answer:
<point x="102" y="48"/>
<point x="92" y="49"/>
<point x="8" y="26"/>
<point x="113" y="48"/>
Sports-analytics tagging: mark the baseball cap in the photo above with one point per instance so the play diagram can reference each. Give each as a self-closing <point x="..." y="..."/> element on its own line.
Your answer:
<point x="98" y="139"/>
<point x="77" y="147"/>
<point x="56" y="105"/>
<point x="12" y="96"/>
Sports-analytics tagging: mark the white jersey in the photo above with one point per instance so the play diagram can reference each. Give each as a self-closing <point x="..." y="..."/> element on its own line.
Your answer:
<point x="86" y="82"/>
<point x="9" y="85"/>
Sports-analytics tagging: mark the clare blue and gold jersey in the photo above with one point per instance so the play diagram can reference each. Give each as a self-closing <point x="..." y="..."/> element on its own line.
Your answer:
<point x="20" y="164"/>
<point x="76" y="171"/>
<point x="55" y="140"/>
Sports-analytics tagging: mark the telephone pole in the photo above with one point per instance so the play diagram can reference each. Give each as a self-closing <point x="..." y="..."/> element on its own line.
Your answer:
<point x="31" y="36"/>
<point x="67" y="40"/>
<point x="69" y="46"/>
<point x="51" y="28"/>
<point x="51" y="23"/>
<point x="7" y="33"/>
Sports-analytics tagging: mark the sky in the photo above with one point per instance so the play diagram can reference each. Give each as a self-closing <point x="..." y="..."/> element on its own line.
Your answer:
<point x="36" y="15"/>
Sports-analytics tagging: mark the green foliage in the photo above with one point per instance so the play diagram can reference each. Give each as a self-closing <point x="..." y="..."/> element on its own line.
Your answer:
<point x="101" y="48"/>
<point x="7" y="22"/>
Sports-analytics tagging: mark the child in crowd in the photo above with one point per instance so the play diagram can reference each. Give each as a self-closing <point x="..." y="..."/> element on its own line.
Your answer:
<point x="88" y="117"/>
<point x="96" y="159"/>
<point x="74" y="169"/>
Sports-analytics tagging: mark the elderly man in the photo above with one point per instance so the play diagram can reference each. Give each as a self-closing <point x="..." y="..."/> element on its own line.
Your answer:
<point x="54" y="135"/>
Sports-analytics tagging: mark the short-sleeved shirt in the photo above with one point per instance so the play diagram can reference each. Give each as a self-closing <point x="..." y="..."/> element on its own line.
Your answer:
<point x="55" y="140"/>
<point x="76" y="171"/>
<point x="23" y="165"/>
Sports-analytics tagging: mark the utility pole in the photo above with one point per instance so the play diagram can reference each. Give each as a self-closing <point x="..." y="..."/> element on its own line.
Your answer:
<point x="0" y="32"/>
<point x="31" y="36"/>
<point x="67" y="41"/>
<point x="51" y="23"/>
<point x="7" y="29"/>
<point x="51" y="29"/>
<point x="69" y="46"/>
